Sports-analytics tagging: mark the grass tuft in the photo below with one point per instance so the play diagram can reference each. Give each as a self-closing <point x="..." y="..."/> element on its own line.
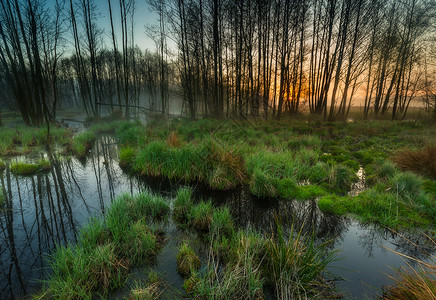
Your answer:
<point x="295" y="263"/>
<point x="27" y="168"/>
<point x="422" y="161"/>
<point x="414" y="283"/>
<point x="187" y="260"/>
<point x="82" y="143"/>
<point x="127" y="157"/>
<point x="201" y="216"/>
<point x="106" y="248"/>
<point x="173" y="140"/>
<point x="2" y="165"/>
<point x="182" y="205"/>
<point x="222" y="223"/>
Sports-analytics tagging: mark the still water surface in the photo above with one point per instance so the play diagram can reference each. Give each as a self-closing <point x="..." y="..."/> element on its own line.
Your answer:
<point x="49" y="208"/>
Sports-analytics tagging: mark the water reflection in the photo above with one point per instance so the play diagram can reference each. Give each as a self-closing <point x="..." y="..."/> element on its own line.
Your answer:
<point x="48" y="209"/>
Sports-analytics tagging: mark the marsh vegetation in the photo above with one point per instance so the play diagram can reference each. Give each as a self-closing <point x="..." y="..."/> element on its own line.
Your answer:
<point x="305" y="169"/>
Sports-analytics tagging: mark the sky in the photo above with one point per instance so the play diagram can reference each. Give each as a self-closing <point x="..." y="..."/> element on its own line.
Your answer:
<point x="143" y="16"/>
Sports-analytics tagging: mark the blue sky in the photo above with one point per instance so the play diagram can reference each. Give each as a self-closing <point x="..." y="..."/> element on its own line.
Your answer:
<point x="143" y="16"/>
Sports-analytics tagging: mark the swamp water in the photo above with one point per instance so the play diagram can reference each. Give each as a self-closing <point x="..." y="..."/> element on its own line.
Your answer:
<point x="48" y="209"/>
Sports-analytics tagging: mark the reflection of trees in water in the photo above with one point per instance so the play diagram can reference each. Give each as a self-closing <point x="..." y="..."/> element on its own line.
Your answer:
<point x="262" y="215"/>
<point x="410" y="244"/>
<point x="46" y="209"/>
<point x="37" y="218"/>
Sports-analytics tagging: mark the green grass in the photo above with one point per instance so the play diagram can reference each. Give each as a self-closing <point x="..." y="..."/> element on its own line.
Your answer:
<point x="241" y="278"/>
<point x="82" y="143"/>
<point x="187" y="260"/>
<point x="222" y="223"/>
<point x="182" y="205"/>
<point x="401" y="201"/>
<point x="127" y="156"/>
<point x="288" y="159"/>
<point x="29" y="168"/>
<point x="200" y="216"/>
<point x="295" y="263"/>
<point x="208" y="162"/>
<point x="27" y="137"/>
<point x="7" y="140"/>
<point x="2" y="165"/>
<point x="106" y="249"/>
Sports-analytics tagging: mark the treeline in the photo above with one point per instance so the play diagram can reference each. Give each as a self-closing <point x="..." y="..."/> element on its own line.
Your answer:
<point x="232" y="57"/>
<point x="261" y="57"/>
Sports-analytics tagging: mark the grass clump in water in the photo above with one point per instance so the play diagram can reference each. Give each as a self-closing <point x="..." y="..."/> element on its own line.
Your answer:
<point x="187" y="260"/>
<point x="78" y="272"/>
<point x="222" y="223"/>
<point x="2" y="165"/>
<point x="295" y="265"/>
<point x="82" y="143"/>
<point x="27" y="168"/>
<point x="182" y="205"/>
<point x="208" y="163"/>
<point x="149" y="290"/>
<point x="149" y="205"/>
<point x="240" y="278"/>
<point x="106" y="248"/>
<point x="127" y="157"/>
<point x="201" y="216"/>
